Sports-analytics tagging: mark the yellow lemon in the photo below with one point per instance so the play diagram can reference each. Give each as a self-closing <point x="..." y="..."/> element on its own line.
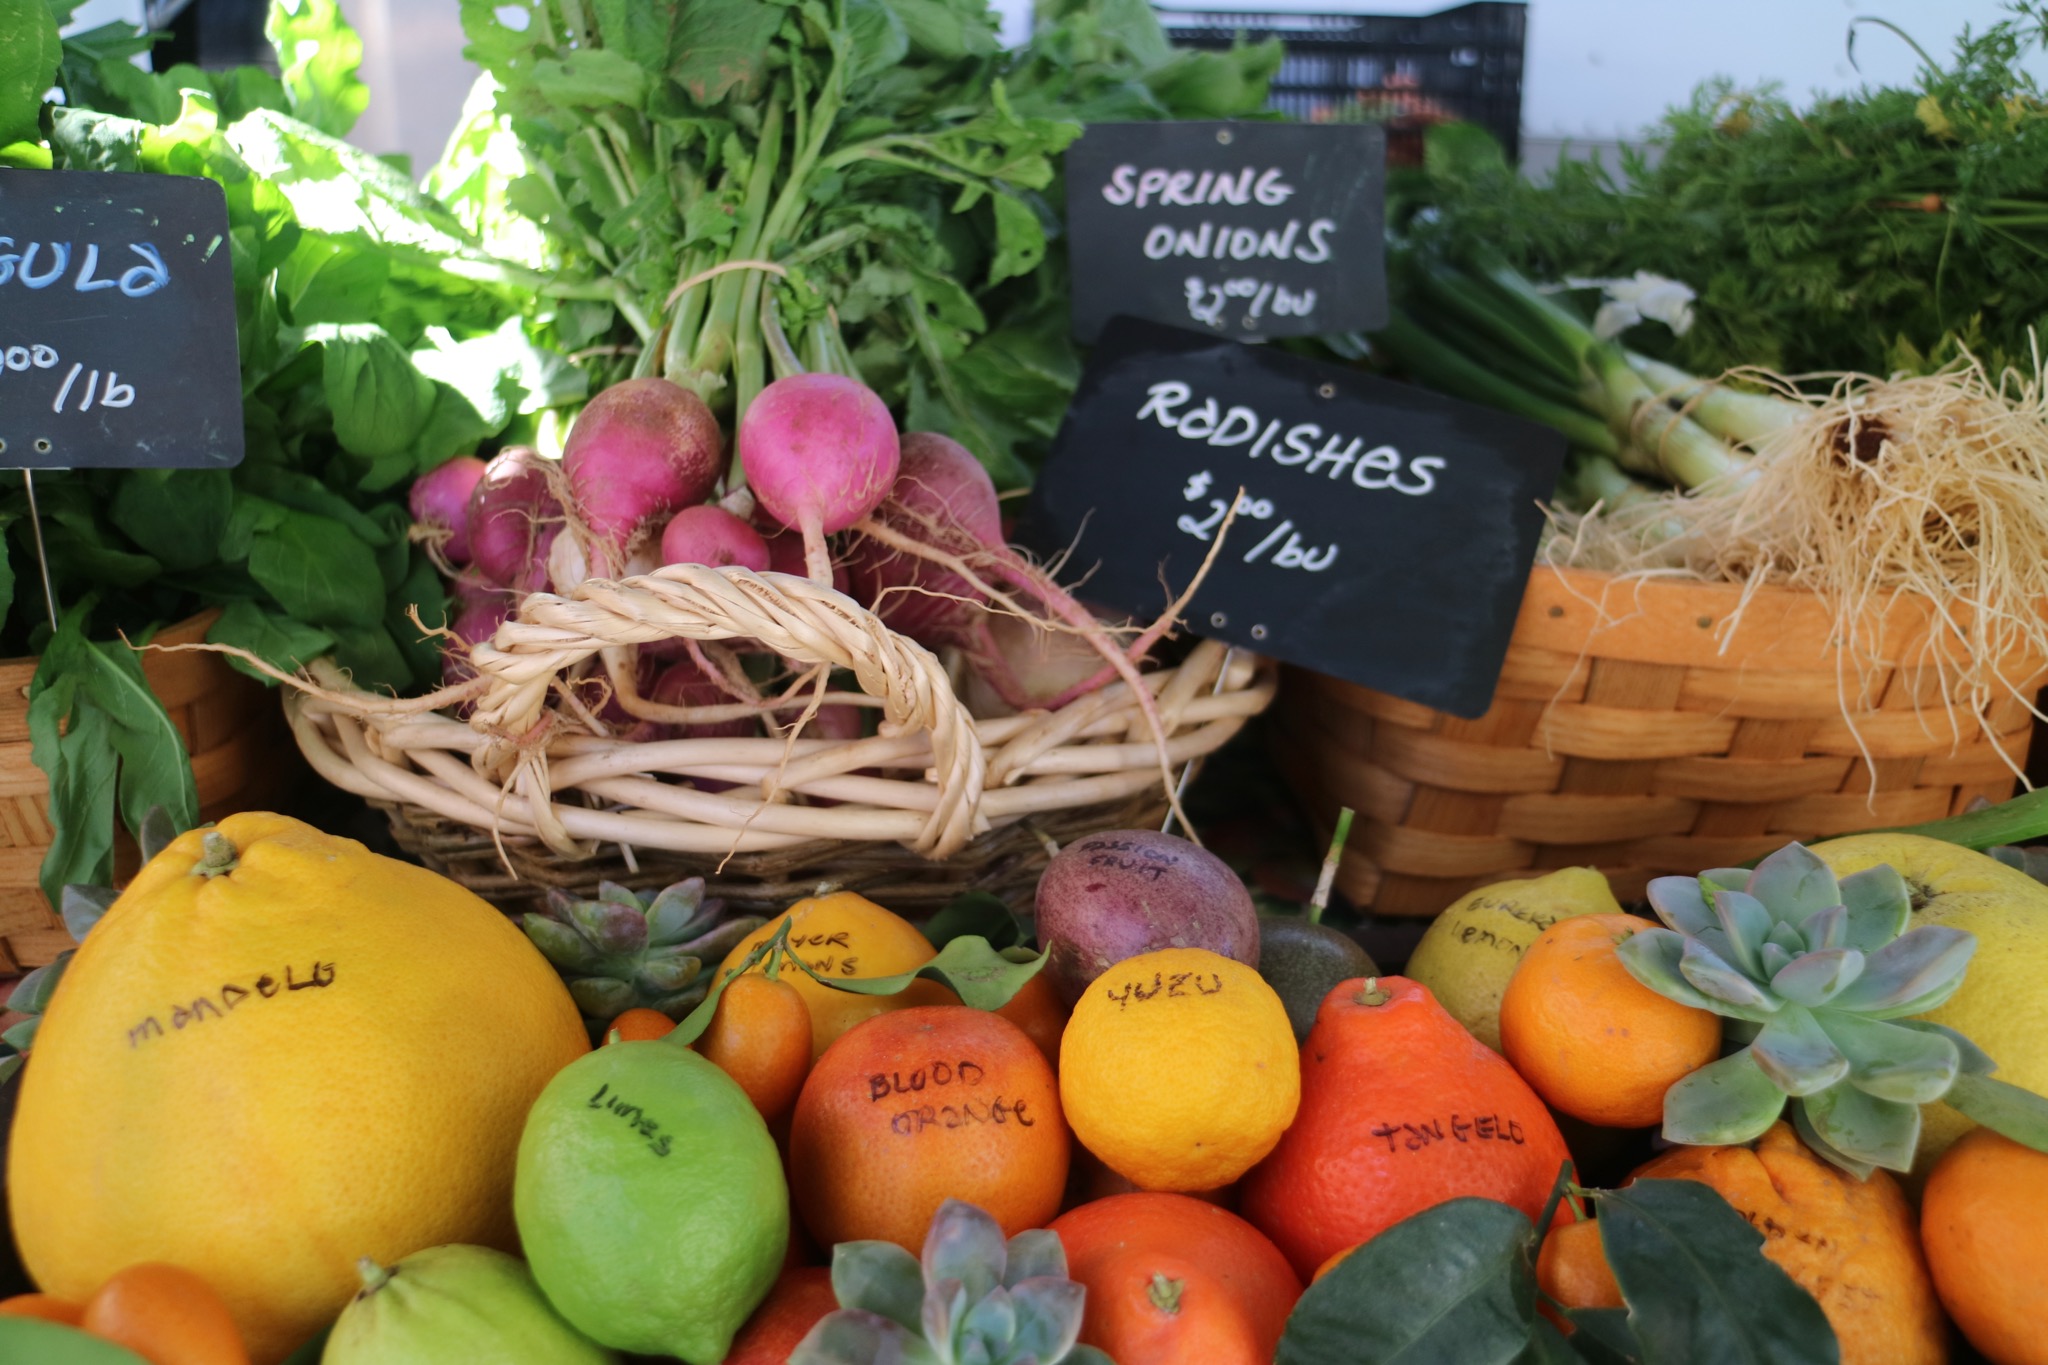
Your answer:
<point x="1179" y="1069"/>
<point x="276" y="1053"/>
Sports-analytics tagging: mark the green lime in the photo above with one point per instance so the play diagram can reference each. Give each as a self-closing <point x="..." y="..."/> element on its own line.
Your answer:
<point x="52" y="1343"/>
<point x="650" y="1200"/>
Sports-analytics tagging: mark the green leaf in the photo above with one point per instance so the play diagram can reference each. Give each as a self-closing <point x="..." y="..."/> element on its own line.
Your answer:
<point x="82" y="906"/>
<point x="380" y="401"/>
<point x="2004" y="1108"/>
<point x="976" y="972"/>
<point x="1697" y="1284"/>
<point x="1723" y="1102"/>
<point x="975" y="912"/>
<point x="319" y="571"/>
<point x="178" y="515"/>
<point x="87" y="141"/>
<point x="28" y="65"/>
<point x="722" y="45"/>
<point x="271" y="636"/>
<point x="1453" y="1283"/>
<point x="591" y="77"/>
<point x="318" y="54"/>
<point x="1020" y="239"/>
<point x="880" y="1278"/>
<point x="1604" y="1336"/>
<point x="877" y="38"/>
<point x="1865" y="1128"/>
<point x="1797" y="1054"/>
<point x="948" y="31"/>
<point x="372" y="658"/>
<point x="1893" y="1061"/>
<point x="1794" y="883"/>
<point x="32" y="994"/>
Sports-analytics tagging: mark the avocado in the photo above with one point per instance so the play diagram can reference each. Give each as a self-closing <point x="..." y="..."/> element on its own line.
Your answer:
<point x="1303" y="962"/>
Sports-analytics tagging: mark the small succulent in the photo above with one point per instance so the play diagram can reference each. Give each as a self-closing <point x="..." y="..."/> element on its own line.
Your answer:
<point x="1816" y="977"/>
<point x="972" y="1300"/>
<point x="628" y="949"/>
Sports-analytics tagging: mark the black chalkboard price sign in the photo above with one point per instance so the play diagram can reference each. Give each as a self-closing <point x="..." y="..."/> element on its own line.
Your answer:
<point x="1383" y="534"/>
<point x="117" y="323"/>
<point x="1245" y="230"/>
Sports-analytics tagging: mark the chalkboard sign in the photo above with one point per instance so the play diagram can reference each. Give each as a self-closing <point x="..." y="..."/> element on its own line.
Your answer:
<point x="1384" y="534"/>
<point x="1245" y="230"/>
<point x="117" y="323"/>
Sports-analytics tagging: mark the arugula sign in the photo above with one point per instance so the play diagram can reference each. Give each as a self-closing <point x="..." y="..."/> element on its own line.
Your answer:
<point x="117" y="323"/>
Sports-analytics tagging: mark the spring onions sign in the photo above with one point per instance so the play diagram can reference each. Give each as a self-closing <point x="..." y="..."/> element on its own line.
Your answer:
<point x="117" y="323"/>
<point x="1244" y="230"/>
<point x="1381" y="534"/>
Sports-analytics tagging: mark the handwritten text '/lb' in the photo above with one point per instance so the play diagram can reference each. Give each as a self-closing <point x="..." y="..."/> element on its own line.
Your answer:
<point x="31" y="268"/>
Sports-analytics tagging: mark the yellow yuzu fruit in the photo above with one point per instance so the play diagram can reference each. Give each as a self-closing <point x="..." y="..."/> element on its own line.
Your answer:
<point x="1178" y="1069"/>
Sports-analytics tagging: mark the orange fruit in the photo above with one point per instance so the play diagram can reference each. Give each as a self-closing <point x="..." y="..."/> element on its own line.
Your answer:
<point x="1327" y="1266"/>
<point x="792" y="1308"/>
<point x="920" y="1105"/>
<point x="641" y="1025"/>
<point x="846" y="935"/>
<point x="1594" y="1042"/>
<point x="760" y="1035"/>
<point x="1984" y="1224"/>
<point x="1039" y="1011"/>
<point x="1225" y="1248"/>
<point x="1850" y="1243"/>
<point x="42" y="1306"/>
<point x="167" y="1315"/>
<point x="1401" y="1109"/>
<point x="1149" y="1307"/>
<point x="1572" y="1267"/>
<point x="1178" y="1068"/>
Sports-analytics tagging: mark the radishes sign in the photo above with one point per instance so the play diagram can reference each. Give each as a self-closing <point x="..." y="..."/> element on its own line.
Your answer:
<point x="1245" y="230"/>
<point x="1383" y="534"/>
<point x="117" y="323"/>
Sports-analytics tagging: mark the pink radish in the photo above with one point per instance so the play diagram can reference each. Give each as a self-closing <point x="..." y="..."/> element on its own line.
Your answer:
<point x="684" y="684"/>
<point x="820" y="452"/>
<point x="786" y="555"/>
<point x="480" y="615"/>
<point x="639" y="451"/>
<point x="943" y="495"/>
<point x="513" y="519"/>
<point x="440" y="504"/>
<point x="708" y="534"/>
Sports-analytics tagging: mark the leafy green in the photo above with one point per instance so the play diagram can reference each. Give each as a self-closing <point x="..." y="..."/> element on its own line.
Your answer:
<point x="318" y="53"/>
<point x="28" y="64"/>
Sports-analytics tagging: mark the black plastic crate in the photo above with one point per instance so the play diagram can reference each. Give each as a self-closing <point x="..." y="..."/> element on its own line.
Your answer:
<point x="1408" y="71"/>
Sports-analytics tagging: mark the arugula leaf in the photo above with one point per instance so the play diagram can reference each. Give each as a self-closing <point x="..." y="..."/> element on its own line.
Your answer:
<point x="319" y="54"/>
<point x="177" y="515"/>
<point x="271" y="636"/>
<point x="319" y="571"/>
<point x="28" y="65"/>
<point x="722" y="45"/>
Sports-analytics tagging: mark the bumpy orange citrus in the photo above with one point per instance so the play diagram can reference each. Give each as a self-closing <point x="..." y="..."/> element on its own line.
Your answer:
<point x="1594" y="1042"/>
<point x="760" y="1035"/>
<point x="846" y="935"/>
<point x="1984" y="1224"/>
<point x="920" y="1105"/>
<point x="1179" y="1069"/>
<point x="641" y="1026"/>
<point x="1850" y="1243"/>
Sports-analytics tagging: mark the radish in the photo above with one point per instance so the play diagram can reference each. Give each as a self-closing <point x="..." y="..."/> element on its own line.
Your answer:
<point x="440" y="505"/>
<point x="820" y="452"/>
<point x="513" y="520"/>
<point x="786" y="555"/>
<point x="478" y="620"/>
<point x="708" y="534"/>
<point x="683" y="683"/>
<point x="942" y="495"/>
<point x="639" y="451"/>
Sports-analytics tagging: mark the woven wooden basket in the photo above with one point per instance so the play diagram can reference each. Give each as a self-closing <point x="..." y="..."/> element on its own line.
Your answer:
<point x="239" y="761"/>
<point x="516" y="798"/>
<point x="1635" y="730"/>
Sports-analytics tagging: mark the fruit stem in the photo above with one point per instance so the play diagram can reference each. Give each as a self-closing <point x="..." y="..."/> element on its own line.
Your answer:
<point x="374" y="1276"/>
<point x="1371" y="994"/>
<point x="1164" y="1293"/>
<point x="217" y="856"/>
<point x="1328" y="877"/>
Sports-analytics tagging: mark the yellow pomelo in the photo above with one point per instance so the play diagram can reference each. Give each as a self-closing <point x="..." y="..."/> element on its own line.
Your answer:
<point x="2003" y="1004"/>
<point x="1470" y="951"/>
<point x="261" y="1075"/>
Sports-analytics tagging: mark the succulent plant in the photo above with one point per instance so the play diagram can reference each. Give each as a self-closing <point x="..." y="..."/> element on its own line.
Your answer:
<point x="628" y="949"/>
<point x="1816" y="977"/>
<point x="972" y="1300"/>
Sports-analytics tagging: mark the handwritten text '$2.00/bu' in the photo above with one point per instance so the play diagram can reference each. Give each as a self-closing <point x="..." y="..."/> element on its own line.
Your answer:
<point x="1381" y="466"/>
<point x="28" y="268"/>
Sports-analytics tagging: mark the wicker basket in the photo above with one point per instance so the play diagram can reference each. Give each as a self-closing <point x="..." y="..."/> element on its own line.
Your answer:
<point x="231" y="729"/>
<point x="515" y="800"/>
<point x="1632" y="730"/>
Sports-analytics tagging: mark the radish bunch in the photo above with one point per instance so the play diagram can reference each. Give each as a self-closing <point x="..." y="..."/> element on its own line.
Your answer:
<point x="908" y="525"/>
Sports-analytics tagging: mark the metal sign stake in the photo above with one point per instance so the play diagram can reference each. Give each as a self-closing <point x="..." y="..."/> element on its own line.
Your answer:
<point x="35" y="521"/>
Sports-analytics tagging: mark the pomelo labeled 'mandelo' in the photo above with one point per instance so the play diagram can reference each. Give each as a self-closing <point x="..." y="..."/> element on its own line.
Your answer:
<point x="276" y="1053"/>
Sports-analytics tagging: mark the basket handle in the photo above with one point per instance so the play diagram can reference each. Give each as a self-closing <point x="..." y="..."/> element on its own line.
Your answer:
<point x="792" y="616"/>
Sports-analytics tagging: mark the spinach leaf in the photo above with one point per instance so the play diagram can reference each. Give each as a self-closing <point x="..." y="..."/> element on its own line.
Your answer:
<point x="318" y="570"/>
<point x="28" y="65"/>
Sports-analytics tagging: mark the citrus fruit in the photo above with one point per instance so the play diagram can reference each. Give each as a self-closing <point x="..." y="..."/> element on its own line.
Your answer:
<point x="275" y="1053"/>
<point x="455" y="1304"/>
<point x="2001" y="1006"/>
<point x="167" y="1315"/>
<point x="42" y="1306"/>
<point x="1331" y="1263"/>
<point x="1401" y="1109"/>
<point x="1038" y="1010"/>
<point x="846" y="935"/>
<point x="640" y="1025"/>
<point x="1148" y="1307"/>
<point x="919" y="1105"/>
<point x="1178" y="1068"/>
<point x="792" y="1308"/>
<point x="1470" y="950"/>
<point x="1232" y="1253"/>
<point x="1572" y="1267"/>
<point x="1850" y="1243"/>
<point x="38" y="1341"/>
<point x="651" y="1200"/>
<point x="760" y="1035"/>
<point x="1984" y="1225"/>
<point x="1303" y="962"/>
<point x="1594" y="1042"/>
